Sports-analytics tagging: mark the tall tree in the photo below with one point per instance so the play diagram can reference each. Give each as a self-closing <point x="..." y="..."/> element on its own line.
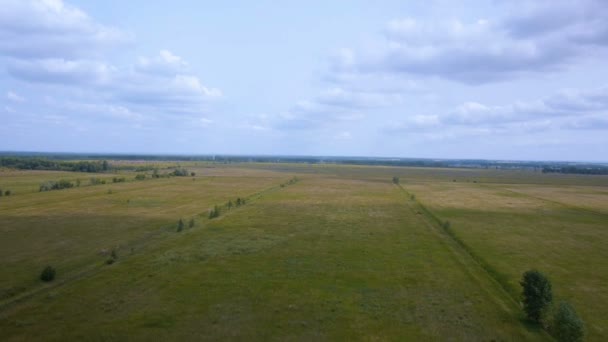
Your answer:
<point x="537" y="294"/>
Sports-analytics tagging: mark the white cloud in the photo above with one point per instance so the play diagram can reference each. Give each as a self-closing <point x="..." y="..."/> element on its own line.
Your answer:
<point x="13" y="97"/>
<point x="165" y="63"/>
<point x="548" y="37"/>
<point x="57" y="70"/>
<point x="567" y="109"/>
<point x="52" y="29"/>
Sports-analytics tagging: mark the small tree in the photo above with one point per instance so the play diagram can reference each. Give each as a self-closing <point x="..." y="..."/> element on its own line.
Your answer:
<point x="191" y="223"/>
<point x="180" y="225"/>
<point x="215" y="212"/>
<point x="566" y="324"/>
<point x="537" y="294"/>
<point x="47" y="274"/>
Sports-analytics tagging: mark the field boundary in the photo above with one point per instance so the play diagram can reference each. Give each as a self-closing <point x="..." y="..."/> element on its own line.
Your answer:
<point x="443" y="227"/>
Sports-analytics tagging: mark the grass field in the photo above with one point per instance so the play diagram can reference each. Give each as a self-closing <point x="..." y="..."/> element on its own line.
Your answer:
<point x="340" y="254"/>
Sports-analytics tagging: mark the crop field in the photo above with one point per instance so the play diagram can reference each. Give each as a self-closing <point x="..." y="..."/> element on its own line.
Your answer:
<point x="314" y="252"/>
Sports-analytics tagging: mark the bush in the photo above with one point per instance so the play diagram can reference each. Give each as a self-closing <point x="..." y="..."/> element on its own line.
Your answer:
<point x="97" y="181"/>
<point x="537" y="294"/>
<point x="47" y="274"/>
<point x="140" y="176"/>
<point x="395" y="180"/>
<point x="566" y="324"/>
<point x="51" y="185"/>
<point x="113" y="257"/>
<point x="180" y="225"/>
<point x="180" y="172"/>
<point x="191" y="223"/>
<point x="215" y="212"/>
<point x="118" y="179"/>
<point x="7" y="193"/>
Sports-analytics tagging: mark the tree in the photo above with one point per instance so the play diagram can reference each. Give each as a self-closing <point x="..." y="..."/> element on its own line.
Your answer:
<point x="537" y="294"/>
<point x="395" y="180"/>
<point x="104" y="165"/>
<point x="47" y="274"/>
<point x="7" y="193"/>
<point x="180" y="225"/>
<point x="215" y="212"/>
<point x="191" y="223"/>
<point x="567" y="325"/>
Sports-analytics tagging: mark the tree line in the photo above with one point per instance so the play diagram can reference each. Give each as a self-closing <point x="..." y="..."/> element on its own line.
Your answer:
<point x="56" y="165"/>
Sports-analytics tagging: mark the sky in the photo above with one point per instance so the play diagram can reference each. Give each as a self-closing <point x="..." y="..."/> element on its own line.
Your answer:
<point x="495" y="79"/>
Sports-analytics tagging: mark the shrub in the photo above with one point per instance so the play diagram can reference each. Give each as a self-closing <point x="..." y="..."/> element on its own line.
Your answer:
<point x="191" y="223"/>
<point x="140" y="176"/>
<point x="192" y="174"/>
<point x="180" y="225"/>
<point x="180" y="172"/>
<point x="395" y="180"/>
<point x="7" y="193"/>
<point x="51" y="185"/>
<point x="537" y="294"/>
<point x="96" y="181"/>
<point x="215" y="212"/>
<point x="113" y="257"/>
<point x="118" y="179"/>
<point x="47" y="274"/>
<point x="566" y="324"/>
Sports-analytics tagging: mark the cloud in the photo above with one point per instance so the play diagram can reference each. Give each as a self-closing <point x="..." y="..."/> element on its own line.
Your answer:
<point x="60" y="44"/>
<point x="548" y="37"/>
<point x="57" y="70"/>
<point x="335" y="105"/>
<point x="165" y="63"/>
<point x="13" y="97"/>
<point x="567" y="109"/>
<point x="52" y="29"/>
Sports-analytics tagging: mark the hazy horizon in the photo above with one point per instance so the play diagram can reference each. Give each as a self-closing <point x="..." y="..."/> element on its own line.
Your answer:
<point x="493" y="80"/>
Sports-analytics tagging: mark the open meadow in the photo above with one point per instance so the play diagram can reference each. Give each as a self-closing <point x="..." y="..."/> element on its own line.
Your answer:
<point x="311" y="252"/>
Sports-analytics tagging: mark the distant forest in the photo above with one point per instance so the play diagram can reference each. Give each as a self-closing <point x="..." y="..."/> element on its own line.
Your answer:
<point x="587" y="170"/>
<point x="98" y="162"/>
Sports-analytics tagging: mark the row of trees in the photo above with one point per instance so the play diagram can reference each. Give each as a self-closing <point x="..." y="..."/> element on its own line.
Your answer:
<point x="52" y="185"/>
<point x="59" y="165"/>
<point x="561" y="321"/>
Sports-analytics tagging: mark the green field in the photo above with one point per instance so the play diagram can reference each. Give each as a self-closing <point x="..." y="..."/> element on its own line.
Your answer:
<point x="340" y="254"/>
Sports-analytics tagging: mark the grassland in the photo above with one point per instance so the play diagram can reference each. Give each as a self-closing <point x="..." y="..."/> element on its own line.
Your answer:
<point x="340" y="254"/>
